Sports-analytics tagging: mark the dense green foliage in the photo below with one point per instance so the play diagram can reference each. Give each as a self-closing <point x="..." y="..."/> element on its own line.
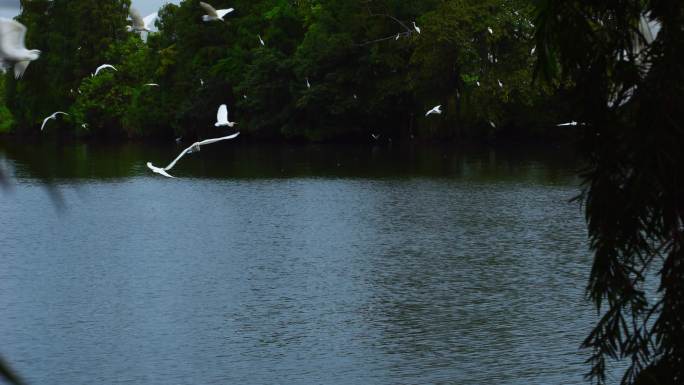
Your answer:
<point x="369" y="71"/>
<point x="6" y="119"/>
<point x="634" y="178"/>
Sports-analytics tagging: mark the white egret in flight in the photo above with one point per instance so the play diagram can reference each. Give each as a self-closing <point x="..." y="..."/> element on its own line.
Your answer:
<point x="222" y="117"/>
<point x="375" y="136"/>
<point x="416" y="27"/>
<point x="261" y="40"/>
<point x="51" y="117"/>
<point x="13" y="49"/>
<point x="151" y="85"/>
<point x="193" y="148"/>
<point x="435" y="110"/>
<point x="492" y="124"/>
<point x="140" y="24"/>
<point x="572" y="123"/>
<point x="212" y="13"/>
<point x="100" y="68"/>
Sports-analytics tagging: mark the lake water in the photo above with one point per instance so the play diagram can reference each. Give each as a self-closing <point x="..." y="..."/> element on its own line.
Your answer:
<point x="292" y="265"/>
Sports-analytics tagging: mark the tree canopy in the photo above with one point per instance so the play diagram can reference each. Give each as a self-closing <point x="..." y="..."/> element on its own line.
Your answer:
<point x="368" y="69"/>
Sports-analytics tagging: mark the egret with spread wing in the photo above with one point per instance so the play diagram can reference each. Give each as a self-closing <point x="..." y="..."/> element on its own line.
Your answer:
<point x="140" y="24"/>
<point x="51" y="117"/>
<point x="193" y="148"/>
<point x="212" y="13"/>
<point x="435" y="110"/>
<point x="12" y="47"/>
<point x="100" y="68"/>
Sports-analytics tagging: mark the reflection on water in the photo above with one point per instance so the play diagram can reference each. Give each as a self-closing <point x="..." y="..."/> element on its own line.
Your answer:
<point x="297" y="265"/>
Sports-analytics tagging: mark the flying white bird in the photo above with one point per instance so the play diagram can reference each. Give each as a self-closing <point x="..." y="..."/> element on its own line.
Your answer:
<point x="416" y="27"/>
<point x="492" y="124"/>
<point x="12" y="47"/>
<point x="261" y="40"/>
<point x="140" y="24"/>
<point x="214" y="14"/>
<point x="222" y="117"/>
<point x="308" y="85"/>
<point x="489" y="29"/>
<point x="435" y="110"/>
<point x="397" y="38"/>
<point x="375" y="136"/>
<point x="572" y="123"/>
<point x="193" y="148"/>
<point x="151" y="85"/>
<point x="51" y="117"/>
<point x="100" y="68"/>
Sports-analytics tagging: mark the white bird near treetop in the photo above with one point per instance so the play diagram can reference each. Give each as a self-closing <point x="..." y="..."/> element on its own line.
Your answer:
<point x="140" y="24"/>
<point x="212" y="13"/>
<point x="261" y="40"/>
<point x="416" y="27"/>
<point x="13" y="49"/>
<point x="100" y="68"/>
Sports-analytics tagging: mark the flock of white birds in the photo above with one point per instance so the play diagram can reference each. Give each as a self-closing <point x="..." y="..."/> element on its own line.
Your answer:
<point x="13" y="52"/>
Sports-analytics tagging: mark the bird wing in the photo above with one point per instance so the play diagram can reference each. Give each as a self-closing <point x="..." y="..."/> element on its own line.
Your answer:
<point x="100" y="68"/>
<point x="12" y="35"/>
<point x="214" y="140"/>
<point x="158" y="170"/>
<point x="150" y="19"/>
<point x="208" y="8"/>
<point x="182" y="154"/>
<point x="136" y="18"/>
<point x="223" y="12"/>
<point x="222" y="114"/>
<point x="45" y="121"/>
<point x="20" y="67"/>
